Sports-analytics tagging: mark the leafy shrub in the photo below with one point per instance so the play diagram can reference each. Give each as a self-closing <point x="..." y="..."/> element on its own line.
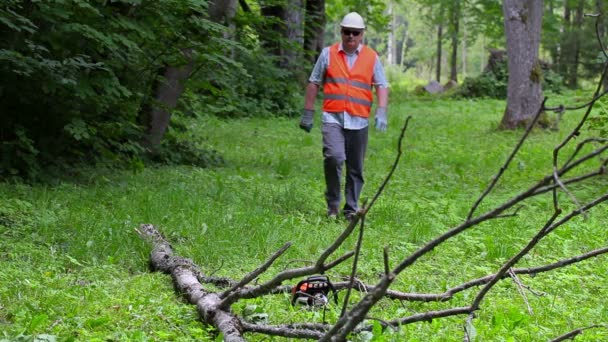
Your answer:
<point x="485" y="85"/>
<point x="493" y="82"/>
<point x="175" y="151"/>
<point x="251" y="85"/>
<point x="552" y="81"/>
<point x="599" y="122"/>
<point x="15" y="213"/>
<point x="79" y="77"/>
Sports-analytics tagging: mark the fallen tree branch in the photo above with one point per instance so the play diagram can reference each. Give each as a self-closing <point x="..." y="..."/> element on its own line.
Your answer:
<point x="572" y="334"/>
<point x="185" y="279"/>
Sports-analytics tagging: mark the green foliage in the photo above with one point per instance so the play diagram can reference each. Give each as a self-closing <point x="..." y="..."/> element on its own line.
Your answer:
<point x="252" y="86"/>
<point x="71" y="243"/>
<point x="373" y="12"/>
<point x="175" y="151"/>
<point x="78" y="79"/>
<point x="485" y="85"/>
<point x="599" y="121"/>
<point x="15" y="213"/>
<point x="492" y="83"/>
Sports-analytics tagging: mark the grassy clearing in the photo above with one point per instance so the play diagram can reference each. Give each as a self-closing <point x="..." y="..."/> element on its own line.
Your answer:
<point x="73" y="268"/>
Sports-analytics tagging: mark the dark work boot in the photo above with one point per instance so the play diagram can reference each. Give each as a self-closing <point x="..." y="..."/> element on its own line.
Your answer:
<point x="332" y="213"/>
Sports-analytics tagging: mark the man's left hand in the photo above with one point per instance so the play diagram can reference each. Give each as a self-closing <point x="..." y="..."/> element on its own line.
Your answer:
<point x="381" y="121"/>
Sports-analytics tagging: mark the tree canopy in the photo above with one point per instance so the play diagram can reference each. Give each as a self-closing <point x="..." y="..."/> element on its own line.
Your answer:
<point x="89" y="82"/>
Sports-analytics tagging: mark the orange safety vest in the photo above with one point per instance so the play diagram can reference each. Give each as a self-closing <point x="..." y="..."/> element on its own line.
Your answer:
<point x="349" y="90"/>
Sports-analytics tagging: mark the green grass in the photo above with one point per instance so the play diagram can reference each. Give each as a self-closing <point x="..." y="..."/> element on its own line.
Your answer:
<point x="71" y="265"/>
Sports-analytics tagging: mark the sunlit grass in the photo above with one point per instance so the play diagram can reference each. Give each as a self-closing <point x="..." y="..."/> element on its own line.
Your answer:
<point x="75" y="243"/>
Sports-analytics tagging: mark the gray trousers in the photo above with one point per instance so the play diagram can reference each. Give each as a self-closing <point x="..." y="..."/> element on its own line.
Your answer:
<point x="342" y="146"/>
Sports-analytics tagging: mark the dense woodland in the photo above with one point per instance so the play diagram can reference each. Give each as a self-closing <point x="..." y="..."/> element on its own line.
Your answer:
<point x="89" y="82"/>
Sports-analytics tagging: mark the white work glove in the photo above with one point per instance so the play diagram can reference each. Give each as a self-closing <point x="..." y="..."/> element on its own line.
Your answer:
<point x="381" y="121"/>
<point x="306" y="120"/>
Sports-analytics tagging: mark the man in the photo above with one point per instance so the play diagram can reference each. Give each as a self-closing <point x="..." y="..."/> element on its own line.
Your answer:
<point x="347" y="70"/>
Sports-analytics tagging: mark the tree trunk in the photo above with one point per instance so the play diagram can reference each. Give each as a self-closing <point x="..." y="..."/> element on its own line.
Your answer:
<point x="522" y="20"/>
<point x="439" y="48"/>
<point x="600" y="8"/>
<point x="554" y="49"/>
<point x="294" y="33"/>
<point x="168" y="91"/>
<point x="576" y="45"/>
<point x="392" y="40"/>
<point x="285" y="31"/>
<point x="314" y="28"/>
<point x="270" y="37"/>
<point x="464" y="50"/>
<point x="454" y="23"/>
<point x="565" y="41"/>
<point x="223" y="11"/>
<point x="167" y="94"/>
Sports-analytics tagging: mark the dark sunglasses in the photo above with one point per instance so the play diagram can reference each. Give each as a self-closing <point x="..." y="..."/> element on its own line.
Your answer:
<point x="349" y="32"/>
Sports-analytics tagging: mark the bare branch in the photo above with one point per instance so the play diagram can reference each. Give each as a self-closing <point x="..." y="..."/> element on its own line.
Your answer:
<point x="290" y="331"/>
<point x="354" y="267"/>
<point x="520" y="289"/>
<point x="386" y="261"/>
<point x="431" y="315"/>
<point x="251" y="276"/>
<point x="582" y="144"/>
<point x="395" y="163"/>
<point x="507" y="162"/>
<point x="572" y="334"/>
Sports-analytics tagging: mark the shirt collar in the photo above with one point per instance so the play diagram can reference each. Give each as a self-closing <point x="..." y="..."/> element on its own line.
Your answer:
<point x="340" y="48"/>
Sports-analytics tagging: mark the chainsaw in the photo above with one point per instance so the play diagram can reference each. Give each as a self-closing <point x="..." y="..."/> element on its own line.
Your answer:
<point x="313" y="291"/>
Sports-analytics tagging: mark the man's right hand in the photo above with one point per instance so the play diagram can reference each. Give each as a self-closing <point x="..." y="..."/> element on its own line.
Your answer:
<point x="306" y="120"/>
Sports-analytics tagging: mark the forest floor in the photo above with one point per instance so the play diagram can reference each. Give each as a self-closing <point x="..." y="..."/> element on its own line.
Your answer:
<point x="72" y="267"/>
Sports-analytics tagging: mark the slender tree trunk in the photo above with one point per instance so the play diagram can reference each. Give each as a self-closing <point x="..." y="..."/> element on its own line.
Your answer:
<point x="600" y="8"/>
<point x="524" y="93"/>
<point x="270" y="37"/>
<point x="555" y="48"/>
<point x="295" y="33"/>
<point x="576" y="45"/>
<point x="454" y="23"/>
<point x="439" y="49"/>
<point x="392" y="41"/>
<point x="464" y="50"/>
<point x="314" y="28"/>
<point x="168" y="91"/>
<point x="565" y="41"/>
<point x="223" y="11"/>
<point x="482" y="60"/>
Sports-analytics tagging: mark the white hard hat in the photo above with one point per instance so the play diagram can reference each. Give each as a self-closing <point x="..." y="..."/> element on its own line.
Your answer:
<point x="353" y="20"/>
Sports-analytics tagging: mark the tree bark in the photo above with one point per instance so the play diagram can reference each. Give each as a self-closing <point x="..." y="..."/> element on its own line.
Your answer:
<point x="454" y="28"/>
<point x="284" y="32"/>
<point x="223" y="11"/>
<point x="576" y="45"/>
<point x="168" y="93"/>
<point x="439" y="49"/>
<point x="314" y="28"/>
<point x="565" y="41"/>
<point x="295" y="32"/>
<point x="522" y="19"/>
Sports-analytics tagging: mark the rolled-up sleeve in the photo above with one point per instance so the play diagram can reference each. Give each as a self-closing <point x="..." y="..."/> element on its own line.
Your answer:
<point x="379" y="79"/>
<point x="318" y="72"/>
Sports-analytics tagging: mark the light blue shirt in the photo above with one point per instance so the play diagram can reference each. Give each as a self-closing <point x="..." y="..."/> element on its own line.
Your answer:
<point x="317" y="76"/>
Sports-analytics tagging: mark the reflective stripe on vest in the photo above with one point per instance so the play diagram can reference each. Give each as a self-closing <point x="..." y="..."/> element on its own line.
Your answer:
<point x="349" y="90"/>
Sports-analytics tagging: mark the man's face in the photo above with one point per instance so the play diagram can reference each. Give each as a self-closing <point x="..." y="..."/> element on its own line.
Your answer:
<point x="351" y="38"/>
